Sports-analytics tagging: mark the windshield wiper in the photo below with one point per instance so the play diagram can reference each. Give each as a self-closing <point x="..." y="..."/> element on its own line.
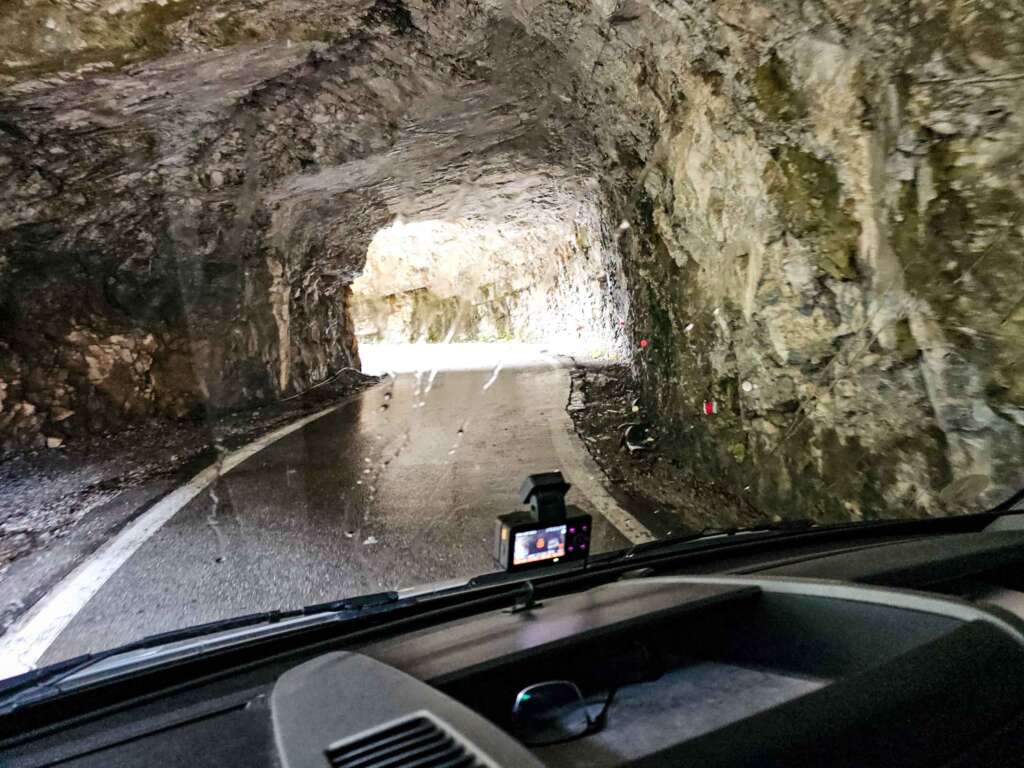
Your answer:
<point x="786" y="526"/>
<point x="796" y="524"/>
<point x="39" y="684"/>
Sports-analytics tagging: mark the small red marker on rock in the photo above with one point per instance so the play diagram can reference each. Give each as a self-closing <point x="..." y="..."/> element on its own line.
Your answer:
<point x="643" y="343"/>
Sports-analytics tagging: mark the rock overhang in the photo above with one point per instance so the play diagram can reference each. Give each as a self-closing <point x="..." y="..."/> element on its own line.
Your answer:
<point x="779" y="167"/>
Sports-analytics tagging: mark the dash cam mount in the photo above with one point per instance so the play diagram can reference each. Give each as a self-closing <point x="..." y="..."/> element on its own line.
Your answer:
<point x="550" y="532"/>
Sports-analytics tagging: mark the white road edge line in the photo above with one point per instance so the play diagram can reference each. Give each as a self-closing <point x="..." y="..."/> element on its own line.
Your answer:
<point x="24" y="644"/>
<point x="583" y="473"/>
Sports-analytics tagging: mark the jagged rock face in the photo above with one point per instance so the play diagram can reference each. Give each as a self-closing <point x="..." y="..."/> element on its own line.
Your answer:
<point x="133" y="208"/>
<point x="832" y="252"/>
<point x="824" y="204"/>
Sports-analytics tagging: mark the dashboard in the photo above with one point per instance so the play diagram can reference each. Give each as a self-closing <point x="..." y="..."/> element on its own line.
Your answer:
<point x="902" y="654"/>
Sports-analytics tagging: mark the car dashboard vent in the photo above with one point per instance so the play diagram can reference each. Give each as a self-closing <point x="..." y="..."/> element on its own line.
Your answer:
<point x="417" y="741"/>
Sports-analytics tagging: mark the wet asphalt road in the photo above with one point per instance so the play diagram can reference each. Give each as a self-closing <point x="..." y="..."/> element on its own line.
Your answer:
<point x="383" y="493"/>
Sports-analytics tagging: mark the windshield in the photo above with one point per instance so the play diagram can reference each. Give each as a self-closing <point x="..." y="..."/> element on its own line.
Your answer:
<point x="293" y="296"/>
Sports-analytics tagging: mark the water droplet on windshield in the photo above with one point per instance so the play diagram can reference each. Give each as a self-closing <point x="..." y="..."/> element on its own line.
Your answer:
<point x="494" y="376"/>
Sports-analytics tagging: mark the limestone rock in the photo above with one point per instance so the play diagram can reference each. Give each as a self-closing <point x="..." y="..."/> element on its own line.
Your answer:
<point x="823" y="201"/>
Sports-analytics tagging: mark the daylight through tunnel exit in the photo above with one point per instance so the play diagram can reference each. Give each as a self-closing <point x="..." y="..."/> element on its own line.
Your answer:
<point x="542" y="281"/>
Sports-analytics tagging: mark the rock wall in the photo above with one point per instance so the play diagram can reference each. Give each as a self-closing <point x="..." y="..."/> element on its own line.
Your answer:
<point x="823" y="200"/>
<point x="827" y="243"/>
<point x="139" y="267"/>
<point x="143" y="270"/>
<point x="826" y="237"/>
<point x="216" y="199"/>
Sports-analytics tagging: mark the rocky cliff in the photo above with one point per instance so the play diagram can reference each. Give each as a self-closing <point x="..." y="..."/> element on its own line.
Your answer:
<point x="820" y="203"/>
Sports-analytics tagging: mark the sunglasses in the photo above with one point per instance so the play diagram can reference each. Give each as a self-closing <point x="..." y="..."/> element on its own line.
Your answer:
<point x="555" y="712"/>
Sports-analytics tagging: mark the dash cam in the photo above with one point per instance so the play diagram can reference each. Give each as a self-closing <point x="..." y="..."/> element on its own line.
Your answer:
<point x="550" y="532"/>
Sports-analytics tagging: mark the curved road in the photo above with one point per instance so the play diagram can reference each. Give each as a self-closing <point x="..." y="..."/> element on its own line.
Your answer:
<point x="396" y="488"/>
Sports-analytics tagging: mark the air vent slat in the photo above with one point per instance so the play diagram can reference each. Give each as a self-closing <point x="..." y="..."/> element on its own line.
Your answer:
<point x="418" y="742"/>
<point x="407" y="742"/>
<point x="452" y="752"/>
<point x="405" y="730"/>
<point x="405" y="755"/>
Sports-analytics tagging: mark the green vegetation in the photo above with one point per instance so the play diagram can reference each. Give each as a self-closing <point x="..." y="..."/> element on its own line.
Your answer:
<point x="774" y="91"/>
<point x="662" y="338"/>
<point x="809" y="197"/>
<point x="434" y="316"/>
<point x="121" y="39"/>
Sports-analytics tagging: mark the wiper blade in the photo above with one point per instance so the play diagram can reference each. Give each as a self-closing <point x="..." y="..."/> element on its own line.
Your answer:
<point x="796" y="524"/>
<point x="362" y="602"/>
<point x="793" y="524"/>
<point x="39" y="684"/>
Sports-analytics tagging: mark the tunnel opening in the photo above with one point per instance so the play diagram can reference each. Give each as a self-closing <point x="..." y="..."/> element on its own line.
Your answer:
<point x="469" y="291"/>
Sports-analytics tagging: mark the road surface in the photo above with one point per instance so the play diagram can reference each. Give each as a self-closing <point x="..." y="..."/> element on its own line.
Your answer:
<point x="397" y="488"/>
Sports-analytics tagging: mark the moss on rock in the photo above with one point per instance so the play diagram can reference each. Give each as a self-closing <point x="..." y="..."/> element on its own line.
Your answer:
<point x="774" y="91"/>
<point x="810" y="202"/>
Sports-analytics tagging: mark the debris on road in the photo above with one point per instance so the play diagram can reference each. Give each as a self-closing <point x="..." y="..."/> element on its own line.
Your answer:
<point x="636" y="437"/>
<point x="643" y="460"/>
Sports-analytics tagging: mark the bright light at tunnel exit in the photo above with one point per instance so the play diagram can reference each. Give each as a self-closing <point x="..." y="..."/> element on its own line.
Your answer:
<point x="479" y="294"/>
<point x="380" y="359"/>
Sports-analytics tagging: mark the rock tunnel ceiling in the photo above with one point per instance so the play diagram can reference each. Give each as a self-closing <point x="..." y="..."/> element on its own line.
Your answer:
<point x="824" y="204"/>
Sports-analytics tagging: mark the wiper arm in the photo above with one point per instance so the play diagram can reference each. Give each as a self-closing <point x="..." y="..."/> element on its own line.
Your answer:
<point x="375" y="600"/>
<point x="797" y="524"/>
<point x="40" y="683"/>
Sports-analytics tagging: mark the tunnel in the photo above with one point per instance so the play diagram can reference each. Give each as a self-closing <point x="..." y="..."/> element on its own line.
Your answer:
<point x="804" y="247"/>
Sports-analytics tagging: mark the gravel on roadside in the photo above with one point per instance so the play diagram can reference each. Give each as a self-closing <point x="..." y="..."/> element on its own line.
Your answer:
<point x="45" y="493"/>
<point x="642" y="461"/>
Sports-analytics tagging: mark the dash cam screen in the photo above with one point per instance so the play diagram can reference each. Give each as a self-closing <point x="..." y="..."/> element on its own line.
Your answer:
<point x="543" y="544"/>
